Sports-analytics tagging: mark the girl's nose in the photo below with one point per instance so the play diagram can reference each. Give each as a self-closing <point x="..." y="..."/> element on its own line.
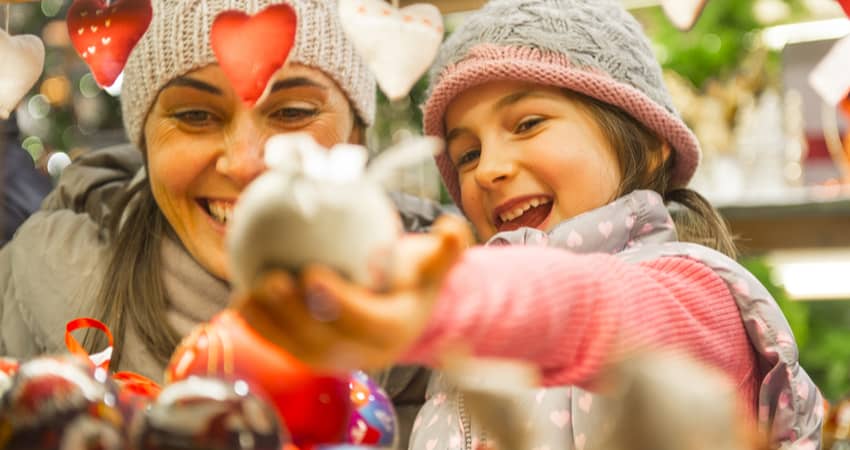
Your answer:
<point x="495" y="166"/>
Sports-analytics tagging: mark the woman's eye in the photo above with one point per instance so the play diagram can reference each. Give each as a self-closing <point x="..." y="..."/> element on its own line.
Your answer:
<point x="294" y="114"/>
<point x="528" y="124"/>
<point x="195" y="117"/>
<point x="467" y="158"/>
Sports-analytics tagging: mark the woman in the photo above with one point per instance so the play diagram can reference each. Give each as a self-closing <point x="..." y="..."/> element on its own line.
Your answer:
<point x="134" y="235"/>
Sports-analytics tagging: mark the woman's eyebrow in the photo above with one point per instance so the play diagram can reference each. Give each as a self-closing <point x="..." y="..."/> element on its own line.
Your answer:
<point x="195" y="84"/>
<point x="295" y="82"/>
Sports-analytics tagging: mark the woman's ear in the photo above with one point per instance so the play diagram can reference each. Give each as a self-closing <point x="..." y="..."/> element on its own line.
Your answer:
<point x="358" y="133"/>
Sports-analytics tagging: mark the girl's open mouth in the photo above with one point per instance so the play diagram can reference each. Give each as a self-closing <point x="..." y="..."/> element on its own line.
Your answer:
<point x="528" y="212"/>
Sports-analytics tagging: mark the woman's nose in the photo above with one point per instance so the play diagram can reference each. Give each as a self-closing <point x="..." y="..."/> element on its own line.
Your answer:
<point x="243" y="158"/>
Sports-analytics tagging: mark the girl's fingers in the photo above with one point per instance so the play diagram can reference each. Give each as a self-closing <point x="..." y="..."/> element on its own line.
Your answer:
<point x="422" y="260"/>
<point x="276" y="309"/>
<point x="361" y="314"/>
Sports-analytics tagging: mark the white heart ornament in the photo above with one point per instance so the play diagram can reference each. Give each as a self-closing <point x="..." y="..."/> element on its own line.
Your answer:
<point x="831" y="77"/>
<point x="23" y="61"/>
<point x="683" y="13"/>
<point x="398" y="45"/>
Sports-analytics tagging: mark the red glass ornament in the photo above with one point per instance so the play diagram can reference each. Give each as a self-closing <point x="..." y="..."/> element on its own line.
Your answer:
<point x="315" y="408"/>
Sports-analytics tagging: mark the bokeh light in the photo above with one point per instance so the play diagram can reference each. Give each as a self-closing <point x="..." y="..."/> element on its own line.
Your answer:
<point x="38" y="106"/>
<point x="57" y="90"/>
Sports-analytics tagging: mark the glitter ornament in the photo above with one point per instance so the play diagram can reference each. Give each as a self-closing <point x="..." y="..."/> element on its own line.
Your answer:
<point x="60" y="403"/>
<point x="208" y="414"/>
<point x="373" y="420"/>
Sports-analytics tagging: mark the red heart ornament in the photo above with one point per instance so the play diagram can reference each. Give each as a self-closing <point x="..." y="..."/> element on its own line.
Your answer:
<point x="104" y="35"/>
<point x="250" y="49"/>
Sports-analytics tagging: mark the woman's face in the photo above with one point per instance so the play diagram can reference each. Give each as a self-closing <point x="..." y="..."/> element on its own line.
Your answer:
<point x="527" y="156"/>
<point x="204" y="146"/>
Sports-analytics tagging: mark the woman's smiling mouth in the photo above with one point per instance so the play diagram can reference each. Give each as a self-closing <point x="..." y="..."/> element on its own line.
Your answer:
<point x="220" y="211"/>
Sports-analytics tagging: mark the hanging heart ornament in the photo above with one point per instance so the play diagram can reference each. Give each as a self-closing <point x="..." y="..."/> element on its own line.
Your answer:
<point x="683" y="13"/>
<point x="105" y="35"/>
<point x="845" y="4"/>
<point x="250" y="49"/>
<point x="23" y="61"/>
<point x="398" y="45"/>
<point x="830" y="78"/>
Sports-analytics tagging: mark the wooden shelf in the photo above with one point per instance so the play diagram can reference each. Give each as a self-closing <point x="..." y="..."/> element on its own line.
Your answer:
<point x="449" y="6"/>
<point x="795" y="225"/>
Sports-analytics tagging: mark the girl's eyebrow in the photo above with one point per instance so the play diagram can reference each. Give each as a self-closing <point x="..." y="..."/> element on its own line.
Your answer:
<point x="516" y="97"/>
<point x="455" y="133"/>
<point x="504" y="102"/>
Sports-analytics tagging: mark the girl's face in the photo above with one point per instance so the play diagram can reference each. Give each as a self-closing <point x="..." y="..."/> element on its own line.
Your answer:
<point x="527" y="156"/>
<point x="204" y="146"/>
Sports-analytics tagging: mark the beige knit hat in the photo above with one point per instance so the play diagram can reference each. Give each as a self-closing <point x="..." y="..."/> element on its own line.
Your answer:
<point x="178" y="42"/>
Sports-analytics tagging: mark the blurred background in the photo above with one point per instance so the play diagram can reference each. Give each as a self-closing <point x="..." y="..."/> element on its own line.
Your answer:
<point x="774" y="160"/>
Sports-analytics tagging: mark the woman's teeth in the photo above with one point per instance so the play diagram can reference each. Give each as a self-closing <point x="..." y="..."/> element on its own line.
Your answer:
<point x="220" y="211"/>
<point x="521" y="209"/>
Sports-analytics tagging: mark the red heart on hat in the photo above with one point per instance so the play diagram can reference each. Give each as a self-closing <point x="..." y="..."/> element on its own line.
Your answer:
<point x="846" y="5"/>
<point x="104" y="35"/>
<point x="250" y="49"/>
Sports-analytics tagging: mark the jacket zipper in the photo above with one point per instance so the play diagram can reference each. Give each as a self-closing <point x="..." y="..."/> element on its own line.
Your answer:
<point x="466" y="425"/>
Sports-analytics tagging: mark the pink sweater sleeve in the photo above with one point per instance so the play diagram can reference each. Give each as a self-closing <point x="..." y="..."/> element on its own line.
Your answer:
<point x="571" y="314"/>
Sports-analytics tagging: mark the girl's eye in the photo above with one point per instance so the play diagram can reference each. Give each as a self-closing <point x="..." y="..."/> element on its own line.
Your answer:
<point x="467" y="158"/>
<point x="196" y="118"/>
<point x="528" y="124"/>
<point x="294" y="114"/>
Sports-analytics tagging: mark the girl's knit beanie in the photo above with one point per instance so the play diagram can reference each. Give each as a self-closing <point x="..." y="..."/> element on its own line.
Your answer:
<point x="593" y="47"/>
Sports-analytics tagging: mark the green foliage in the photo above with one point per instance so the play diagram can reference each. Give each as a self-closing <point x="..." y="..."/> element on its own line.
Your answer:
<point x="822" y="331"/>
<point x="715" y="47"/>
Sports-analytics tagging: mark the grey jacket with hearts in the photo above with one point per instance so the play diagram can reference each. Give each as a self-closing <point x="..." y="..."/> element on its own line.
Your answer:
<point x="789" y="404"/>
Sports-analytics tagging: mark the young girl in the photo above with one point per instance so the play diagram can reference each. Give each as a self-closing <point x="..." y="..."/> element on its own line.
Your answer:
<point x="563" y="149"/>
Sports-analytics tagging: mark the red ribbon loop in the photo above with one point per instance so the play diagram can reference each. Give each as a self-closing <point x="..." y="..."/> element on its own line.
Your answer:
<point x="100" y="359"/>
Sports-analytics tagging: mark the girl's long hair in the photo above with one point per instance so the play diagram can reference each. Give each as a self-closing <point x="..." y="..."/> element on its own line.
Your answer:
<point x="641" y="156"/>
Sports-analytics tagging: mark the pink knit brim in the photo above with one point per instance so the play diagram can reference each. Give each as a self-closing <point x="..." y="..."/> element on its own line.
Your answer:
<point x="491" y="63"/>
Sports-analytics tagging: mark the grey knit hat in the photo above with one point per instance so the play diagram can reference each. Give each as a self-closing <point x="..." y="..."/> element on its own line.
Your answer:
<point x="594" y="47"/>
<point x="178" y="42"/>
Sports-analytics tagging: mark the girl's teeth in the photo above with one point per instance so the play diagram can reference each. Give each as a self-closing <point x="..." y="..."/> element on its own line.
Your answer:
<point x="534" y="203"/>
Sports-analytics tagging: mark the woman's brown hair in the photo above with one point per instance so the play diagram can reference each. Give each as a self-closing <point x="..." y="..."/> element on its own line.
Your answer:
<point x="643" y="166"/>
<point x="132" y="294"/>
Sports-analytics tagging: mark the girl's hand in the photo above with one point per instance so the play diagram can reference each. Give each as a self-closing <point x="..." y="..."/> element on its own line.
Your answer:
<point x="333" y="324"/>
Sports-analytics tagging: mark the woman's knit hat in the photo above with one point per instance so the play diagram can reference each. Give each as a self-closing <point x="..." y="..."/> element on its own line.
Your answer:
<point x="594" y="47"/>
<point x="178" y="42"/>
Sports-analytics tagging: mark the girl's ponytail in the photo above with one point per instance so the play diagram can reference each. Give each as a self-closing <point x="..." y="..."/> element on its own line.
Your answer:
<point x="697" y="221"/>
